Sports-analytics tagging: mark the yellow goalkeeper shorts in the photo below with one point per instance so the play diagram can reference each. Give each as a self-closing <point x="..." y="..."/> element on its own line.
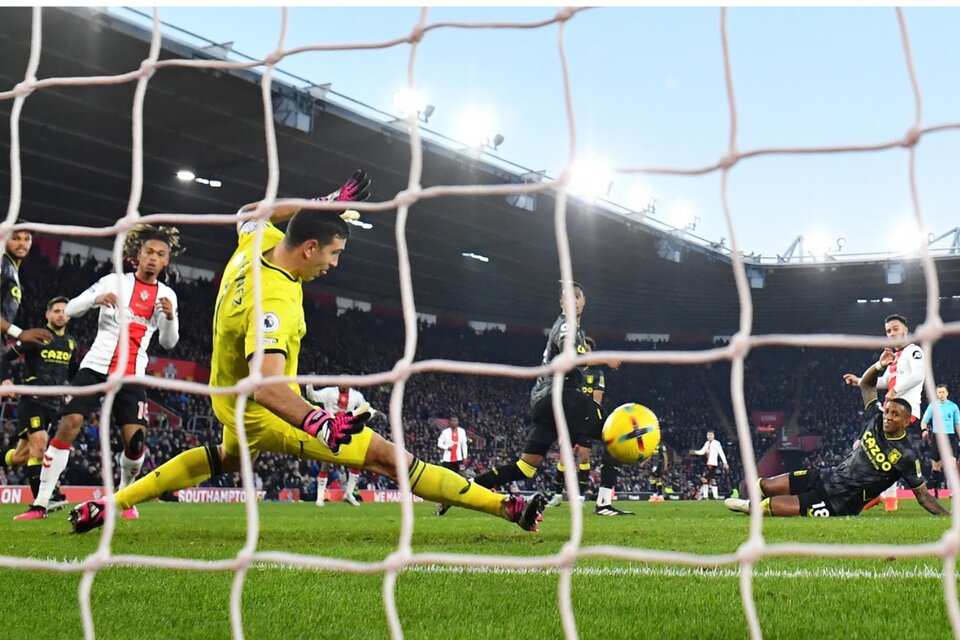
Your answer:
<point x="270" y="433"/>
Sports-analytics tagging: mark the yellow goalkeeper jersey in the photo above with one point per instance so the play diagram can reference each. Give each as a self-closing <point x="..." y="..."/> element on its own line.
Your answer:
<point x="235" y="322"/>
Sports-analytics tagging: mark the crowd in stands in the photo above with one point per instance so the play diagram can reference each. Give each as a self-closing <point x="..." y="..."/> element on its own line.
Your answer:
<point x="689" y="399"/>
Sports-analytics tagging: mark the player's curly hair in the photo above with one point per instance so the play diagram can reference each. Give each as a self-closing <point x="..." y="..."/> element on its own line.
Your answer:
<point x="143" y="232"/>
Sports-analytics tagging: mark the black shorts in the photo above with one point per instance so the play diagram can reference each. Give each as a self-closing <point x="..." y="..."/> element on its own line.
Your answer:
<point x="453" y="466"/>
<point x="712" y="472"/>
<point x="814" y="501"/>
<point x="36" y="414"/>
<point x="129" y="406"/>
<point x="935" y="450"/>
<point x="583" y="421"/>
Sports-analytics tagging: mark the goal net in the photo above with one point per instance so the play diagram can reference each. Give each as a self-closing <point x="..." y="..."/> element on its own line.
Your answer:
<point x="753" y="549"/>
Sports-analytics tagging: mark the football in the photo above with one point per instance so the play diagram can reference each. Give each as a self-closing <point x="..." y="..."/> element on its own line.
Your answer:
<point x="631" y="433"/>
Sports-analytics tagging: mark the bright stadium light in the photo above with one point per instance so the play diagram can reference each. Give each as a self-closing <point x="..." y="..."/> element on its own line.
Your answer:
<point x="683" y="215"/>
<point x="408" y="102"/>
<point x="641" y="200"/>
<point x="476" y="128"/>
<point x="818" y="243"/>
<point x="186" y="175"/>
<point x="475" y="256"/>
<point x="905" y="237"/>
<point x="590" y="179"/>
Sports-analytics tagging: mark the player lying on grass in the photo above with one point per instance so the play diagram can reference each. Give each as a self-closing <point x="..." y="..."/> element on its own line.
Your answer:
<point x="881" y="456"/>
<point x="276" y="417"/>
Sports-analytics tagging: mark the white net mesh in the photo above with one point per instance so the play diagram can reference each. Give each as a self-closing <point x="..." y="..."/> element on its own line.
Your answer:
<point x="750" y="552"/>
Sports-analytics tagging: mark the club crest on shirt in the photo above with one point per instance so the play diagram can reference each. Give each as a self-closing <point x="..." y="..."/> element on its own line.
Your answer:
<point x="144" y="295"/>
<point x="271" y="322"/>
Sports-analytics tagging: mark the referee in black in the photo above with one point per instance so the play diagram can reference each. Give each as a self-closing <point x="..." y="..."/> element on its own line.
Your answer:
<point x="52" y="364"/>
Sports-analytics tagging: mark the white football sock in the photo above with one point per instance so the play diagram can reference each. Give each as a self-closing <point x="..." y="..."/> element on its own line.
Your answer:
<point x="604" y="496"/>
<point x="352" y="479"/>
<point x="321" y="487"/>
<point x="715" y="492"/>
<point x="54" y="462"/>
<point x="130" y="469"/>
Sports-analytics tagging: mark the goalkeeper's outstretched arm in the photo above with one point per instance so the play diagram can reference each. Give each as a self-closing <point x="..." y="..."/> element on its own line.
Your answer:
<point x="355" y="189"/>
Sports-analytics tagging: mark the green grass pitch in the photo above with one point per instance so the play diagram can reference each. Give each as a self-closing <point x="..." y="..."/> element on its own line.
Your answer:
<point x="796" y="597"/>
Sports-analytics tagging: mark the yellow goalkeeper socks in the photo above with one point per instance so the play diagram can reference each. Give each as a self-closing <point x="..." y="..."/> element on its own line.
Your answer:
<point x="439" y="484"/>
<point x="188" y="469"/>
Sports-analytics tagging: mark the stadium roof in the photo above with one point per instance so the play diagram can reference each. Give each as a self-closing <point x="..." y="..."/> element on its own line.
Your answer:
<point x="76" y="155"/>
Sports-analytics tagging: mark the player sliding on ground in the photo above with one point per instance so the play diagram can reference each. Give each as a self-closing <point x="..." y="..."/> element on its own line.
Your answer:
<point x="881" y="456"/>
<point x="276" y="417"/>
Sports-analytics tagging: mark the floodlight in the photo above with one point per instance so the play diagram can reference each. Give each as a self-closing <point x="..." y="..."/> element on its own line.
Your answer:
<point x="186" y="175"/>
<point x="906" y="237"/>
<point x="683" y="215"/>
<point x="410" y="101"/>
<point x="590" y="179"/>
<point x="475" y="256"/>
<point x="818" y="243"/>
<point x="476" y="127"/>
<point x="641" y="200"/>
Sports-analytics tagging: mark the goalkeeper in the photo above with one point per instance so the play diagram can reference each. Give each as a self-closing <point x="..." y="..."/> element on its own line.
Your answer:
<point x="881" y="456"/>
<point x="276" y="418"/>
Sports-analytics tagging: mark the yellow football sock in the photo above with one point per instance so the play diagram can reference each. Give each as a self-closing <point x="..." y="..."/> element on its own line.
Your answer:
<point x="188" y="469"/>
<point x="33" y="462"/>
<point x="765" y="507"/>
<point x="526" y="468"/>
<point x="439" y="484"/>
<point x="560" y="467"/>
<point x="584" y="466"/>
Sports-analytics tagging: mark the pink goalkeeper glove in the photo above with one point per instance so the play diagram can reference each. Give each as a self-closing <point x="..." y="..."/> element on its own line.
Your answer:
<point x="331" y="430"/>
<point x="356" y="189"/>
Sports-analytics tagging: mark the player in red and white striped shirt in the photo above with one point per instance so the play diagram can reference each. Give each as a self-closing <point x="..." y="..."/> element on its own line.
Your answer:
<point x="146" y="306"/>
<point x="453" y="443"/>
<point x="904" y="378"/>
